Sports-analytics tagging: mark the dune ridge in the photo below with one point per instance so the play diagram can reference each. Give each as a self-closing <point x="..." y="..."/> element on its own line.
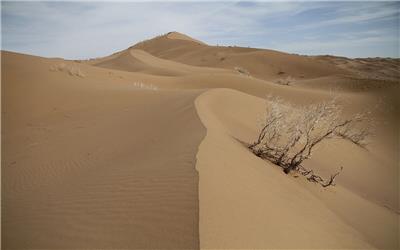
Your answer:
<point x="264" y="201"/>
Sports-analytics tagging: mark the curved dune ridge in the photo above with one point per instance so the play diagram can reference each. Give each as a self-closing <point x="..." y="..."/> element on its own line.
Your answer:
<point x="263" y="208"/>
<point x="145" y="149"/>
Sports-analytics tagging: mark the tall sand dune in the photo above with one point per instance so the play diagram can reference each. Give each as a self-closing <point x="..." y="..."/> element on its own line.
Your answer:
<point x="260" y="63"/>
<point x="140" y="61"/>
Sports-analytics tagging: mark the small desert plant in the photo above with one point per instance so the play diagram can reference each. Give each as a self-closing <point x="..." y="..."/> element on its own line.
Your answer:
<point x="289" y="134"/>
<point x="242" y="71"/>
<point x="141" y="85"/>
<point x="58" y="67"/>
<point x="71" y="70"/>
<point x="285" y="81"/>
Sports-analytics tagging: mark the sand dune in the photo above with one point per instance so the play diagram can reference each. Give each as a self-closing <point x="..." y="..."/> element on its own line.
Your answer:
<point x="342" y="83"/>
<point x="263" y="201"/>
<point x="140" y="61"/>
<point x="260" y="63"/>
<point x="86" y="166"/>
<point x="145" y="149"/>
<point x="372" y="68"/>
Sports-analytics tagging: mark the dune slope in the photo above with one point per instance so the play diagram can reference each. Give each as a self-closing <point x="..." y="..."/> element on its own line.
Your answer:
<point x="246" y="202"/>
<point x="135" y="60"/>
<point x="260" y="63"/>
<point x="89" y="165"/>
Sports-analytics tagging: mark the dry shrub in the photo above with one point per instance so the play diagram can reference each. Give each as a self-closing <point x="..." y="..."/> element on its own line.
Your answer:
<point x="74" y="71"/>
<point x="285" y="81"/>
<point x="242" y="71"/>
<point x="290" y="134"/>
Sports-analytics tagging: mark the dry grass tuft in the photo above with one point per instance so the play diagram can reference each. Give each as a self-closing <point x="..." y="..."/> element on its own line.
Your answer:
<point x="242" y="71"/>
<point x="72" y="70"/>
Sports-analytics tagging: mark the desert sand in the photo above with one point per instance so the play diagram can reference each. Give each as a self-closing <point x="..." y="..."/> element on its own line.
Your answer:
<point x="146" y="149"/>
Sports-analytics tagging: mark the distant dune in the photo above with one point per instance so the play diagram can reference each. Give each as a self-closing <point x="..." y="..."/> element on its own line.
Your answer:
<point x="145" y="149"/>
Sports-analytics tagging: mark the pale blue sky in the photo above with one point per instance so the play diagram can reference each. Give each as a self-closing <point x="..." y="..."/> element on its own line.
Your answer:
<point x="91" y="29"/>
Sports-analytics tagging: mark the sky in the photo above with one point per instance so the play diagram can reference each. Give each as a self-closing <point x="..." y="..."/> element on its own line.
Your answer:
<point x="81" y="30"/>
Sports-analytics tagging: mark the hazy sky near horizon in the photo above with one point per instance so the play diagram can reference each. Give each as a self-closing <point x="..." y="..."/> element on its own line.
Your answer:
<point x="91" y="29"/>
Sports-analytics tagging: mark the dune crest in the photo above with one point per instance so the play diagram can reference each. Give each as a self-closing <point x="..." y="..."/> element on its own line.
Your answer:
<point x="177" y="35"/>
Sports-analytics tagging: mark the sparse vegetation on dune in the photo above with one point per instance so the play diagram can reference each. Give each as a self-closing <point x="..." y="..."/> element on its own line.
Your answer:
<point x="242" y="71"/>
<point x="285" y="81"/>
<point x="382" y="69"/>
<point x="70" y="69"/>
<point x="142" y="85"/>
<point x="288" y="138"/>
